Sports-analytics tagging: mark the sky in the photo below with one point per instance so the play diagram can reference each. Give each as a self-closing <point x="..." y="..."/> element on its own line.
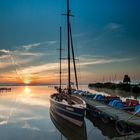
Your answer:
<point x="106" y="37"/>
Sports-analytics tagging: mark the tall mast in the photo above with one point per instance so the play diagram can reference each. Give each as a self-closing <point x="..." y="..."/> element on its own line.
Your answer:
<point x="60" y="56"/>
<point x="73" y="57"/>
<point x="68" y="39"/>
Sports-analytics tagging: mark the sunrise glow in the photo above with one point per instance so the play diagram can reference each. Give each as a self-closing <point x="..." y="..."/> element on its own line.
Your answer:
<point x="27" y="81"/>
<point x="106" y="41"/>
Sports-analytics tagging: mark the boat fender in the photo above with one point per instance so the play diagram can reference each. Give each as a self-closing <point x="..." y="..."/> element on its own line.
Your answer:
<point x="98" y="97"/>
<point x="119" y="105"/>
<point x="114" y="103"/>
<point x="101" y="97"/>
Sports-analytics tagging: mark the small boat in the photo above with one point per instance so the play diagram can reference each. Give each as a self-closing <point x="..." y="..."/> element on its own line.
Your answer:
<point x="129" y="104"/>
<point x="64" y="103"/>
<point x="114" y="101"/>
<point x="71" y="108"/>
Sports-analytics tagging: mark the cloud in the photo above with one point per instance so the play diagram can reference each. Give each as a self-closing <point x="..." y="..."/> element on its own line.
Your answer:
<point x="3" y="122"/>
<point x="52" y="42"/>
<point x="47" y="71"/>
<point x="41" y="68"/>
<point x="16" y="56"/>
<point x="19" y="60"/>
<point x="3" y="57"/>
<point x="18" y="53"/>
<point x="4" y="51"/>
<point x="30" y="46"/>
<point x="113" y="26"/>
<point x="25" y="50"/>
<point x="109" y="28"/>
<point x="51" y="68"/>
<point x="4" y="65"/>
<point x="95" y="61"/>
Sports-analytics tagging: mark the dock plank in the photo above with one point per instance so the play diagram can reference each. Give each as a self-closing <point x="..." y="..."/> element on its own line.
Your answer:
<point x="118" y="114"/>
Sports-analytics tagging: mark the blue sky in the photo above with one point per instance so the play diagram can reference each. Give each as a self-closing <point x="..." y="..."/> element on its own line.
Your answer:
<point x="106" y="36"/>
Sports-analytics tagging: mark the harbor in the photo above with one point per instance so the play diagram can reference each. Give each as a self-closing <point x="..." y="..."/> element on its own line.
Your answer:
<point x="124" y="121"/>
<point x="69" y="70"/>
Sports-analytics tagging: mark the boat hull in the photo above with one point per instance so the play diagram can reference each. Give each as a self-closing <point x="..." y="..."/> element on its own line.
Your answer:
<point x="66" y="128"/>
<point x="73" y="114"/>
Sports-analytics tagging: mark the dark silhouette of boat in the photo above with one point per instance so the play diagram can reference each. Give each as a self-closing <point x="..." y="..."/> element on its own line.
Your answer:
<point x="63" y="103"/>
<point x="68" y="130"/>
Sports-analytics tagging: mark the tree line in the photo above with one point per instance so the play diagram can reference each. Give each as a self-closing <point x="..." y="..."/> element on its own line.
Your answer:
<point x="125" y="85"/>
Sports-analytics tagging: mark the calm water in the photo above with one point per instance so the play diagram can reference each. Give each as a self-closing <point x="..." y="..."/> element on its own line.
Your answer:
<point x="25" y="115"/>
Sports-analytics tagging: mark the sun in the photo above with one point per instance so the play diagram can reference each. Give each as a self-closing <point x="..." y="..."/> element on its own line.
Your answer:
<point x="27" y="81"/>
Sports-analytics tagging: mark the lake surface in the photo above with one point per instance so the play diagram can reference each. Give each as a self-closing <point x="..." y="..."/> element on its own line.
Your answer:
<point x="25" y="115"/>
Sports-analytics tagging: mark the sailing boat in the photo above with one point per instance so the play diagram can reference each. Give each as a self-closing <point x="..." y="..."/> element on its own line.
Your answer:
<point x="63" y="103"/>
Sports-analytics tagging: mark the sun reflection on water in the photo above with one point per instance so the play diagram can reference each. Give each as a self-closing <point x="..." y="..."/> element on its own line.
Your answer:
<point x="27" y="90"/>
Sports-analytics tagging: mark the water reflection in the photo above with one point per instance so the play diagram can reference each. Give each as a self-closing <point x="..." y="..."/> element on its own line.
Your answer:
<point x="68" y="130"/>
<point x="25" y="114"/>
<point x="27" y="90"/>
<point x="106" y="129"/>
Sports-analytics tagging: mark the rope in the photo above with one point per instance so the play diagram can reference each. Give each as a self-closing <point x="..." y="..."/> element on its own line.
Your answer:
<point x="133" y="114"/>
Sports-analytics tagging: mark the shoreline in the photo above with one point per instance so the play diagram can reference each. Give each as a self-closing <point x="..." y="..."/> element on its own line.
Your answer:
<point x="116" y="92"/>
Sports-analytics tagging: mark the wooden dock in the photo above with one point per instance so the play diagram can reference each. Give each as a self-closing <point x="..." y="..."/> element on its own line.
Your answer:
<point x="108" y="113"/>
<point x="5" y="89"/>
